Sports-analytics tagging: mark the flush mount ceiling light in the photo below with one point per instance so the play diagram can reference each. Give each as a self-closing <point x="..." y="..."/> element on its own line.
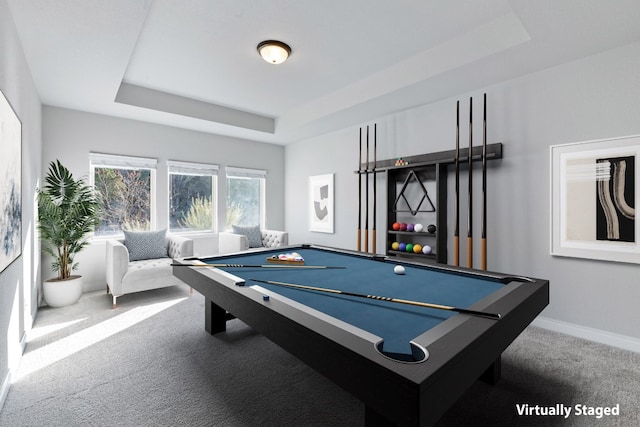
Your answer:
<point x="273" y="51"/>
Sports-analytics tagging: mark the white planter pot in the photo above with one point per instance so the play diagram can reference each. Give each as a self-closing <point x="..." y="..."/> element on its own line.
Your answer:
<point x="60" y="293"/>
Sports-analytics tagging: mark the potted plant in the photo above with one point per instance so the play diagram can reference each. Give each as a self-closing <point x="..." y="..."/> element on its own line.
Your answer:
<point x="67" y="213"/>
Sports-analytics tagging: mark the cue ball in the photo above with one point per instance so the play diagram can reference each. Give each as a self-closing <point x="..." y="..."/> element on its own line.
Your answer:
<point x="417" y="228"/>
<point x="426" y="249"/>
<point x="398" y="269"/>
<point x="431" y="228"/>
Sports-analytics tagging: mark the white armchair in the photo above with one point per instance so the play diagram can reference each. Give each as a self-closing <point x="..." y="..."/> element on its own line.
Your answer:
<point x="125" y="277"/>
<point x="229" y="242"/>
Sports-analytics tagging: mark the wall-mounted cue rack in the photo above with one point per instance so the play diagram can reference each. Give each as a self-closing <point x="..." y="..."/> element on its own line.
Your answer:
<point x="417" y="188"/>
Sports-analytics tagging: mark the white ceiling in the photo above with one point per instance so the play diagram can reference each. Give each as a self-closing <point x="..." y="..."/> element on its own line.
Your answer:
<point x="193" y="63"/>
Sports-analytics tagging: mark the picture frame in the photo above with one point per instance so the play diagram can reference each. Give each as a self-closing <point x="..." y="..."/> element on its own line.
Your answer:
<point x="10" y="184"/>
<point x="595" y="188"/>
<point x="321" y="212"/>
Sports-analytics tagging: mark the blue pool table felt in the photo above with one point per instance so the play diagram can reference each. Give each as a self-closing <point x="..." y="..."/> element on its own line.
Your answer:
<point x="397" y="324"/>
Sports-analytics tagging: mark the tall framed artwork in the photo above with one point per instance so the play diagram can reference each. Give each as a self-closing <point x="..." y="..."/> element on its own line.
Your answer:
<point x="321" y="203"/>
<point x="10" y="184"/>
<point x="595" y="188"/>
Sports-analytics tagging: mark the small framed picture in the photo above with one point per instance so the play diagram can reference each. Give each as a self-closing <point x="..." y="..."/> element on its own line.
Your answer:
<point x="594" y="192"/>
<point x="321" y="203"/>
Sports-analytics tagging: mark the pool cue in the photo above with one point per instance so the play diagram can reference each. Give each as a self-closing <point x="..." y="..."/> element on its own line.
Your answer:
<point x="366" y="198"/>
<point x="456" y="232"/>
<point x="360" y="194"/>
<point x="375" y="150"/>
<point x="495" y="316"/>
<point x="483" y="258"/>
<point x="258" y="266"/>
<point x="470" y="214"/>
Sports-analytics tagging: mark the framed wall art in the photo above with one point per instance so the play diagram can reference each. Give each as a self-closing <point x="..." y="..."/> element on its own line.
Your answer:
<point x="10" y="184"/>
<point x="321" y="203"/>
<point x="595" y="188"/>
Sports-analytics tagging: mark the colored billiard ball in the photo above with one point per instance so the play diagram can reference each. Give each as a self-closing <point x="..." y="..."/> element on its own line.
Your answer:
<point x="402" y="247"/>
<point x="396" y="226"/>
<point x="409" y="247"/>
<point x="417" y="249"/>
<point x="431" y="228"/>
<point x="417" y="228"/>
<point x="395" y="246"/>
<point x="426" y="249"/>
<point x="398" y="269"/>
<point x="403" y="226"/>
<point x="409" y="227"/>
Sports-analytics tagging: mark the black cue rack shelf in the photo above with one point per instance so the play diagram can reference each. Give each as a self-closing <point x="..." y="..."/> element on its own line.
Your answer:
<point x="431" y="170"/>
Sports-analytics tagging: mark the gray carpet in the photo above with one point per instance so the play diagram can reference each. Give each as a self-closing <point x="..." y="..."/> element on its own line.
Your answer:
<point x="150" y="363"/>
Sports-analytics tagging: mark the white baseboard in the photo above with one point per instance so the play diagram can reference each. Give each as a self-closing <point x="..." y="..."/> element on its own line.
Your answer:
<point x="4" y="389"/>
<point x="603" y="337"/>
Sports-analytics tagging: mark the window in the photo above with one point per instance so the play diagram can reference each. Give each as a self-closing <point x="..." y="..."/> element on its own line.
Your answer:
<point x="245" y="197"/>
<point x="192" y="196"/>
<point x="125" y="187"/>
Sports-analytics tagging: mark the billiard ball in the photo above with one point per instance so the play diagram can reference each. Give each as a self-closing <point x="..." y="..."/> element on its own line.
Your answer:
<point x="398" y="269"/>
<point x="417" y="228"/>
<point x="409" y="247"/>
<point x="426" y="249"/>
<point x="403" y="226"/>
<point x="395" y="246"/>
<point x="431" y="228"/>
<point x="396" y="226"/>
<point x="417" y="249"/>
<point x="402" y="247"/>
<point x="409" y="227"/>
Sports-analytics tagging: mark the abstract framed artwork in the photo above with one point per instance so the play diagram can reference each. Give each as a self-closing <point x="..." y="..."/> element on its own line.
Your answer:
<point x="321" y="203"/>
<point x="10" y="184"/>
<point x="594" y="191"/>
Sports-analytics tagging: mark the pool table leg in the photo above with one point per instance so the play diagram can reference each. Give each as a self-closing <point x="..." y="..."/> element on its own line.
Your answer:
<point x="215" y="317"/>
<point x="493" y="373"/>
<point x="373" y="419"/>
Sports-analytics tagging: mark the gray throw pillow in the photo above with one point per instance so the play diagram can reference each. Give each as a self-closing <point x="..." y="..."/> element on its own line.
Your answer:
<point x="146" y="244"/>
<point x="253" y="235"/>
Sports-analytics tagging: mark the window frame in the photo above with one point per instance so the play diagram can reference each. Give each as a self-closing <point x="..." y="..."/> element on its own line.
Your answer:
<point x="238" y="172"/>
<point x="194" y="169"/>
<point x="116" y="161"/>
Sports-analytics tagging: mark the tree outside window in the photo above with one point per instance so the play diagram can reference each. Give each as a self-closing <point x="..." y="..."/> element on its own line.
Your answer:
<point x="245" y="197"/>
<point x="191" y="197"/>
<point x="125" y="193"/>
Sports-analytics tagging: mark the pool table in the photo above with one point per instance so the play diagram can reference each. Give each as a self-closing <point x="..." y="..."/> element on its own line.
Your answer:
<point x="407" y="363"/>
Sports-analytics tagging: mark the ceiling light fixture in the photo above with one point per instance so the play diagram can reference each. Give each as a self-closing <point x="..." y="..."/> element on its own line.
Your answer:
<point x="273" y="51"/>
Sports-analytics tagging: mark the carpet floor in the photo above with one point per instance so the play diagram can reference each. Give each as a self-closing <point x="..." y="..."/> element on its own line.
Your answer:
<point x="150" y="363"/>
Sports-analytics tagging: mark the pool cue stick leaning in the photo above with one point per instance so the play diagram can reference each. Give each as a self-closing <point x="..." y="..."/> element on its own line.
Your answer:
<point x="494" y="316"/>
<point x="259" y="266"/>
<point x="375" y="149"/>
<point x="470" y="215"/>
<point x="366" y="198"/>
<point x="358" y="246"/>
<point x="483" y="255"/>
<point x="456" y="232"/>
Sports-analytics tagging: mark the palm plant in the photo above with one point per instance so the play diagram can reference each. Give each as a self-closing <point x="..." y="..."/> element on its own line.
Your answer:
<point x="67" y="213"/>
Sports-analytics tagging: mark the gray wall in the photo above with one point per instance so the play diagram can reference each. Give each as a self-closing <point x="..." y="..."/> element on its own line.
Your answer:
<point x="18" y="282"/>
<point x="592" y="98"/>
<point x="70" y="135"/>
